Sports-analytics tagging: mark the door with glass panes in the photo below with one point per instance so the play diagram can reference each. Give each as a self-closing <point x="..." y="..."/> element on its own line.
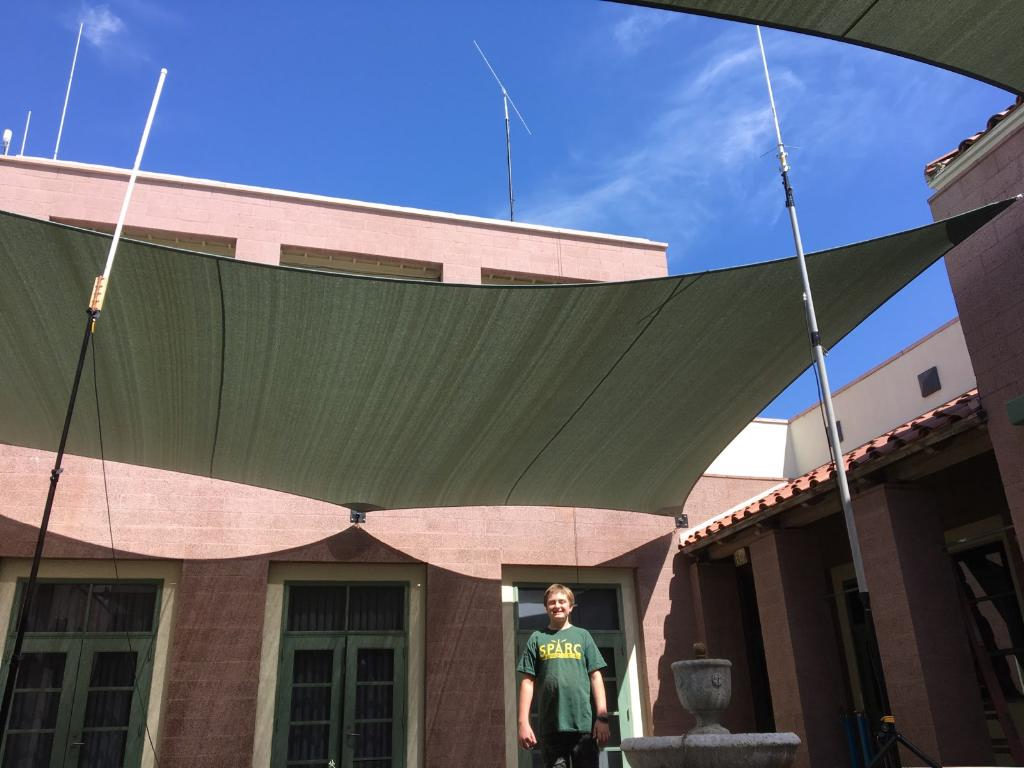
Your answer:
<point x="599" y="611"/>
<point x="341" y="679"/>
<point x="82" y="687"/>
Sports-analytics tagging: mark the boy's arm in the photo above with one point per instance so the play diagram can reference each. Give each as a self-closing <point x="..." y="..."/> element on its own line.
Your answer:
<point x="527" y="739"/>
<point x="601" y="730"/>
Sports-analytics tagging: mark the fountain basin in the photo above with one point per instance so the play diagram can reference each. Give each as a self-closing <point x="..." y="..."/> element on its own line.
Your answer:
<point x="712" y="750"/>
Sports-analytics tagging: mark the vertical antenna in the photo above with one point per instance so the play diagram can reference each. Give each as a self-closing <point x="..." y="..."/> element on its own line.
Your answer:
<point x="815" y="339"/>
<point x="24" y="136"/>
<point x="67" y="95"/>
<point x="132" y="178"/>
<point x="92" y="316"/>
<point x="506" y="99"/>
<point x="888" y="735"/>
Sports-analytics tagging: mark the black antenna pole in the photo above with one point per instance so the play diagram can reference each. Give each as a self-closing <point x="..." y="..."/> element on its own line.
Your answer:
<point x="506" y="99"/>
<point x="508" y="161"/>
<point x="99" y="291"/>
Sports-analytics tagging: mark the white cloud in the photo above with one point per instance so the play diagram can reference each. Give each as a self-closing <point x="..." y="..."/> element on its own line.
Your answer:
<point x="709" y="147"/>
<point x="694" y="145"/>
<point x="636" y="31"/>
<point x="102" y="25"/>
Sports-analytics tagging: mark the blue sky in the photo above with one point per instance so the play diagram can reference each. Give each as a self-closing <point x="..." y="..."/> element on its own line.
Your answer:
<point x="644" y="122"/>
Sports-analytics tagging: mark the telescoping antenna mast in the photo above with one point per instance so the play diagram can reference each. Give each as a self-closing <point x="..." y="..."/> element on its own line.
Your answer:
<point x="889" y="736"/>
<point x="508" y="133"/>
<point x="99" y="290"/>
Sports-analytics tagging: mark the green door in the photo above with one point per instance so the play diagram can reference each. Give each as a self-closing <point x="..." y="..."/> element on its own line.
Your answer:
<point x="374" y="703"/>
<point x="41" y="706"/>
<point x="108" y="716"/>
<point x="82" y="688"/>
<point x="308" y="722"/>
<point x="341" y="678"/>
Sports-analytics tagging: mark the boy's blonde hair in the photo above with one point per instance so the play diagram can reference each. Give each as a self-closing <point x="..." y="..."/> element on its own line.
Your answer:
<point x="559" y="588"/>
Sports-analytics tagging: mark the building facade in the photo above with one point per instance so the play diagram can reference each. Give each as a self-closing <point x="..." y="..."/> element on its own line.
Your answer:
<point x="268" y="629"/>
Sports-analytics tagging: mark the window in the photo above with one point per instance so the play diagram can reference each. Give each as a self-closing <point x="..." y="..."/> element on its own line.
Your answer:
<point x="341" y="687"/>
<point x="82" y="688"/>
<point x="359" y="263"/>
<point x="599" y="611"/>
<point x="502" y="277"/>
<point x="218" y="246"/>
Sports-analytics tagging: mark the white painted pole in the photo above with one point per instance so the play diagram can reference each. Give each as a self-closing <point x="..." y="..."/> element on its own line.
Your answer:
<point x="24" y="136"/>
<point x="134" y="175"/>
<point x="67" y="94"/>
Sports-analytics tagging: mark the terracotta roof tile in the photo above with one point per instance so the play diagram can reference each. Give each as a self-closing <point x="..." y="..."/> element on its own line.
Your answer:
<point x="964" y="406"/>
<point x="939" y="163"/>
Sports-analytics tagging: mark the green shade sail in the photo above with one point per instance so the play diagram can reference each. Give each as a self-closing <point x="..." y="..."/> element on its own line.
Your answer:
<point x="409" y="394"/>
<point x="977" y="38"/>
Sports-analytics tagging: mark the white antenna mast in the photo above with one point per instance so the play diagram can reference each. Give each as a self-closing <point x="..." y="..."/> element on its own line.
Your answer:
<point x="67" y="95"/>
<point x="508" y="133"/>
<point x="24" y="136"/>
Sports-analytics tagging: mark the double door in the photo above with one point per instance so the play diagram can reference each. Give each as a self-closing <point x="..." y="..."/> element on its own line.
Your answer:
<point x="78" y="703"/>
<point x="341" y="702"/>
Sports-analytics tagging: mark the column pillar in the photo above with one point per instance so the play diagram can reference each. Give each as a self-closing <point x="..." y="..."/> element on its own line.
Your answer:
<point x="719" y="620"/>
<point x="800" y="647"/>
<point x="927" y="660"/>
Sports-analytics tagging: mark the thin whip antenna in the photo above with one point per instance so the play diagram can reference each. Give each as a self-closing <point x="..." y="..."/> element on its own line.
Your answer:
<point x="24" y="136"/>
<point x="134" y="175"/>
<point x="92" y="315"/>
<point x="888" y="734"/>
<point x="506" y="99"/>
<point x="815" y="339"/>
<point x="67" y="94"/>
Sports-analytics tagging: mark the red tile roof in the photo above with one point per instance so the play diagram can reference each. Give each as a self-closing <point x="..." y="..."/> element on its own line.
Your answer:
<point x="939" y="163"/>
<point x="967" y="406"/>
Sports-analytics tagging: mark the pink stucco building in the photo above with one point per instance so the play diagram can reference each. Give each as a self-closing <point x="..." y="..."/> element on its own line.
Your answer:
<point x="245" y="626"/>
<point x="224" y="559"/>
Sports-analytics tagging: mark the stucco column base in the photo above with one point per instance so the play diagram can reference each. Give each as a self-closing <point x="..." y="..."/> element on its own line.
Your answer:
<point x="800" y="647"/>
<point x="927" y="660"/>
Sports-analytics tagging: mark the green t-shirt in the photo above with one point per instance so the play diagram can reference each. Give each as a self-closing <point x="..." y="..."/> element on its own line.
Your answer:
<point x="561" y="661"/>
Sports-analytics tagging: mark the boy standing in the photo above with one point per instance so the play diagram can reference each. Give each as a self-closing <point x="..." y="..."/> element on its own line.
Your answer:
<point x="563" y="662"/>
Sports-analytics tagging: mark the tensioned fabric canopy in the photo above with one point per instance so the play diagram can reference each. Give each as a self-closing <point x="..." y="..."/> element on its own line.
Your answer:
<point x="977" y="38"/>
<point x="408" y="394"/>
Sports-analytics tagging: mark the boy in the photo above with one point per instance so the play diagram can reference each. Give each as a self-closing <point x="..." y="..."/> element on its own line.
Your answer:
<point x="564" y="662"/>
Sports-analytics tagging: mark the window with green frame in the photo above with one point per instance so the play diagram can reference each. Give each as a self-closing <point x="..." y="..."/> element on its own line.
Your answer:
<point x="82" y="688"/>
<point x="341" y="676"/>
<point x="599" y="611"/>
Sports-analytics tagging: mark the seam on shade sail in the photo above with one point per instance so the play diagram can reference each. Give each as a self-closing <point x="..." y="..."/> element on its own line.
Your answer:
<point x="653" y="315"/>
<point x="223" y="354"/>
<point x="860" y="18"/>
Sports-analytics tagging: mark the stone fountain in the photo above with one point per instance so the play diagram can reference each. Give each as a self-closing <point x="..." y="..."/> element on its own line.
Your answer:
<point x="705" y="687"/>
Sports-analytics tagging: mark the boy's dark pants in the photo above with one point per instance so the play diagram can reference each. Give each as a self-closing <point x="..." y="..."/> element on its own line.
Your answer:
<point x="569" y="750"/>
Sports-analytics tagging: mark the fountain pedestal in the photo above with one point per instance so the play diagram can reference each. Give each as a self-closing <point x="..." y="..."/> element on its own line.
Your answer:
<point x="704" y="687"/>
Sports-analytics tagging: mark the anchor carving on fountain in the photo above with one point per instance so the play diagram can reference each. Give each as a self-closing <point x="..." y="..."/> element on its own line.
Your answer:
<point x="704" y="687"/>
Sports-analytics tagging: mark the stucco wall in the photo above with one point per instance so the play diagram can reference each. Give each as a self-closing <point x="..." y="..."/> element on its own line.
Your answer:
<point x="262" y="220"/>
<point x="987" y="275"/>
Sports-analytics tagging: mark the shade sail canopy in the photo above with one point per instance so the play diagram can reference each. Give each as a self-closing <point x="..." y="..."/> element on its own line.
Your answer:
<point x="405" y="394"/>
<point x="977" y="38"/>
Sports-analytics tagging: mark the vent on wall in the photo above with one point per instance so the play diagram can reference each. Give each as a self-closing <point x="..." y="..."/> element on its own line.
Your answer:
<point x="218" y="246"/>
<point x="359" y="263"/>
<point x="929" y="381"/>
